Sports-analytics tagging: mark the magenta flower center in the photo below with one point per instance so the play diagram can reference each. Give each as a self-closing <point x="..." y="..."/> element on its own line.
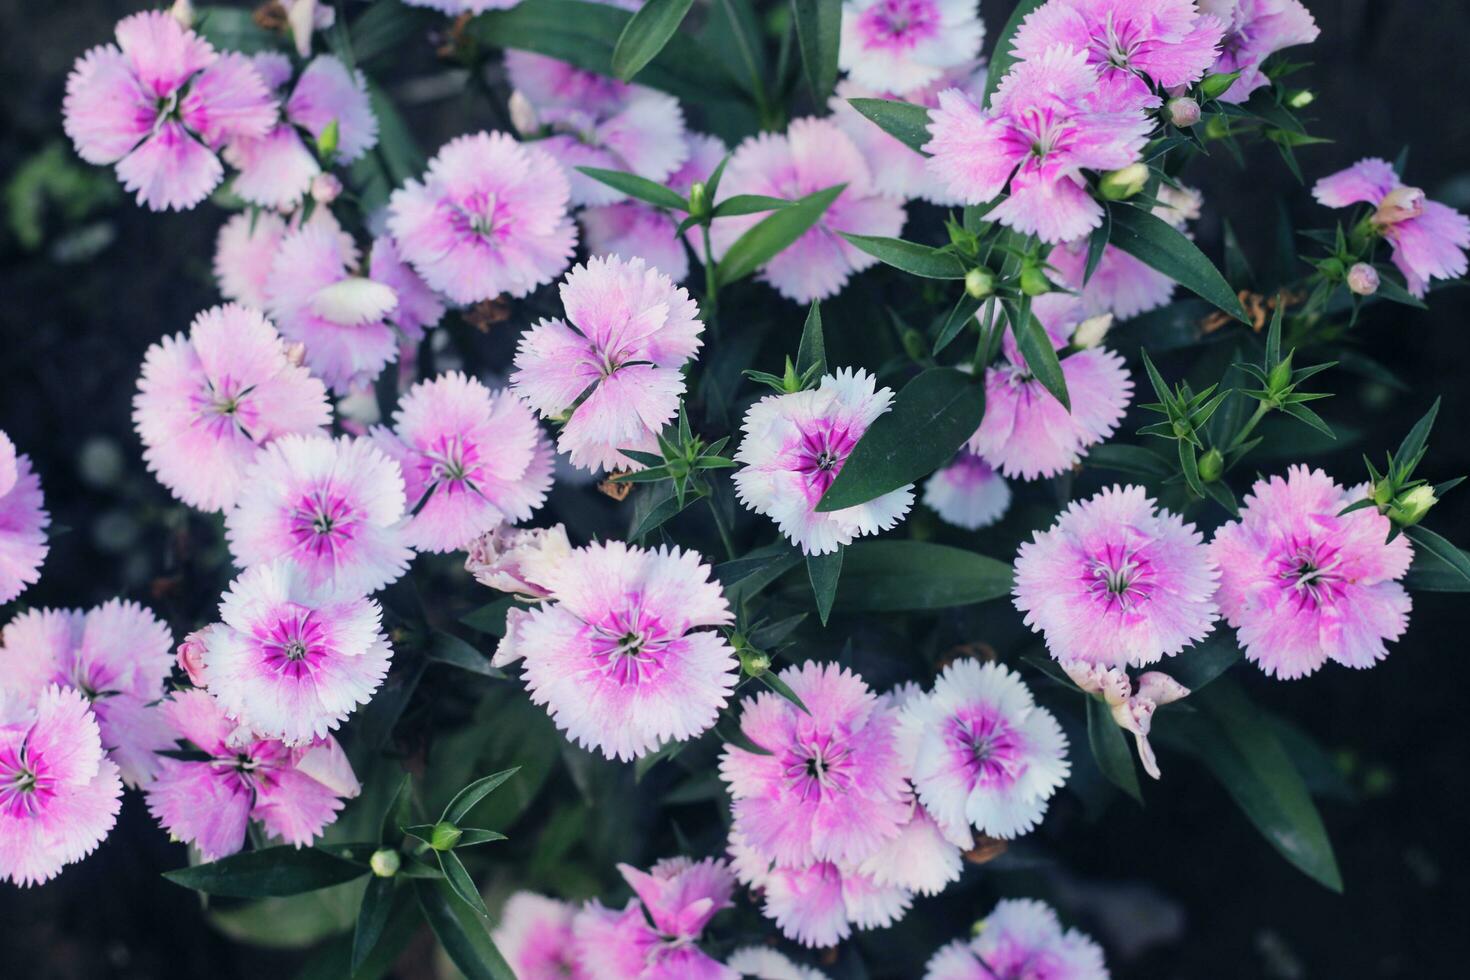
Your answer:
<point x="817" y="763"/>
<point x="1119" y="577"/>
<point x="482" y="216"/>
<point x="630" y="645"/>
<point x="452" y="461"/>
<point x="1309" y="572"/>
<point x="821" y="453"/>
<point x="1038" y="134"/>
<point x="321" y="522"/>
<point x="899" y="24"/>
<point x="985" y="746"/>
<point x="1117" y="43"/>
<point x="224" y="407"/>
<point x="25" y="784"/>
<point x="294" y="643"/>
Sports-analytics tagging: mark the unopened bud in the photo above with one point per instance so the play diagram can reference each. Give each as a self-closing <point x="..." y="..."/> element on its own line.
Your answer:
<point x="183" y="12"/>
<point x="698" y="199"/>
<point x="1301" y="98"/>
<point x="1382" y="493"/>
<point x="1090" y="332"/>
<point x="325" y="188"/>
<point x="1034" y="281"/>
<point x="296" y="354"/>
<point x="979" y="282"/>
<point x="754" y="663"/>
<point x="1280" y="377"/>
<point x="915" y="345"/>
<point x="1409" y="509"/>
<point x="1183" y="112"/>
<point x="444" y="836"/>
<point x="1211" y="466"/>
<point x="523" y="114"/>
<point x="191" y="655"/>
<point x="1214" y="86"/>
<point x="385" y="862"/>
<point x="1362" y="279"/>
<point x="1120" y="185"/>
<point x="1399" y="204"/>
<point x="327" y="142"/>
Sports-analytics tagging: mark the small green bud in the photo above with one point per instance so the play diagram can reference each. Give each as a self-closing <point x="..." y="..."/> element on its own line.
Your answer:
<point x="1211" y="466"/>
<point x="698" y="200"/>
<point x="444" y="836"/>
<point x="754" y="662"/>
<point x="915" y="345"/>
<point x="1383" y="493"/>
<point x="1332" y="268"/>
<point x="1214" y="86"/>
<point x="1279" y="380"/>
<point x="979" y="282"/>
<point x="1034" y="281"/>
<point x="326" y="143"/>
<point x="1409" y="509"/>
<point x="1301" y="98"/>
<point x="1217" y="127"/>
<point x="385" y="862"/>
<point x="1120" y="185"/>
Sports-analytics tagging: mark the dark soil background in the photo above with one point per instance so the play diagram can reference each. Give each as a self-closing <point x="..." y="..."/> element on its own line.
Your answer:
<point x="1183" y="888"/>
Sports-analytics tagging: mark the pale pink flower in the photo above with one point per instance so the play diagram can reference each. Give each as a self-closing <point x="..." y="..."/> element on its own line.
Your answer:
<point x="764" y="963"/>
<point x="208" y="401"/>
<point x="596" y="121"/>
<point x="117" y="655"/>
<point x="457" y="7"/>
<point x="419" y="307"/>
<point x="833" y="787"/>
<point x="819" y="904"/>
<point x="631" y="330"/>
<point x="902" y="45"/>
<point x="1302" y="585"/>
<point x="634" y="230"/>
<point x="490" y="217"/>
<point x="471" y="459"/>
<point x="1429" y="239"/>
<point x="1026" y="432"/>
<point x="1021" y="939"/>
<point x="332" y="506"/>
<point x="1255" y="30"/>
<point x="1132" y="711"/>
<point x="23" y="522"/>
<point x="619" y="657"/>
<point x="968" y="493"/>
<point x="243" y="253"/>
<point x="1117" y="582"/>
<point x="295" y="792"/>
<point x="190" y="654"/>
<point x="705" y="154"/>
<point x="813" y="155"/>
<point x="518" y="561"/>
<point x="920" y="859"/>
<point x="794" y="446"/>
<point x="1050" y="119"/>
<point x="534" y="934"/>
<point x="59" y="793"/>
<point x="159" y="104"/>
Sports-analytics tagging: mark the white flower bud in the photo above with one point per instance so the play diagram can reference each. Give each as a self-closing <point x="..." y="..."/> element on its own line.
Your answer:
<point x="1090" y="332"/>
<point x="183" y="12"/>
<point x="325" y="188"/>
<point x="1183" y="112"/>
<point x="1362" y="279"/>
<point x="523" y="114"/>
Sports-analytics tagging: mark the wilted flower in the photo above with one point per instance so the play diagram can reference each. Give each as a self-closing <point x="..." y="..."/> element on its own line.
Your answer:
<point x="1133" y="711"/>
<point x="967" y="492"/>
<point x="519" y="561"/>
<point x="23" y="522"/>
<point x="902" y="45"/>
<point x="794" y="446"/>
<point x="534" y="935"/>
<point x="208" y="401"/>
<point x="1116" y="582"/>
<point x="1020" y="939"/>
<point x="1255" y="30"/>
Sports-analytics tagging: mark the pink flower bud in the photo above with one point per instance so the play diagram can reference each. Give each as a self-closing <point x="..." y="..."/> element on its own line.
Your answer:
<point x="1399" y="204"/>
<point x="523" y="114"/>
<point x="325" y="188"/>
<point x="1362" y="279"/>
<point x="183" y="12"/>
<point x="518" y="560"/>
<point x="191" y="655"/>
<point x="1183" y="112"/>
<point x="296" y="353"/>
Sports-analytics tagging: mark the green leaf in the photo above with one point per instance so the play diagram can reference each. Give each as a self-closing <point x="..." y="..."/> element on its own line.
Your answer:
<point x="1205" y="661"/>
<point x="1041" y="356"/>
<point x="384" y="28"/>
<point x="772" y="235"/>
<point x="910" y="257"/>
<point x="1002" y="58"/>
<point x="641" y="188"/>
<point x="1432" y="574"/>
<point x="824" y="570"/>
<point x="1133" y="460"/>
<point x="333" y="960"/>
<point x="475" y="836"/>
<point x="233" y="29"/>
<point x="647" y="32"/>
<point x="904" y="121"/>
<point x="931" y="418"/>
<point x="462" y="935"/>
<point x="748" y="575"/>
<point x="961" y="315"/>
<point x="748" y="204"/>
<point x="489" y="618"/>
<point x="446" y="648"/>
<point x="1437" y="546"/>
<point x="397" y="148"/>
<point x="1110" y="748"/>
<point x="466" y="798"/>
<point x="372" y="916"/>
<point x="1414" y="443"/>
<point x="775" y="683"/>
<point x="811" y="353"/>
<point x="269" y="872"/>
<point x="899" y="576"/>
<point x="818" y="32"/>
<point x="459" y="880"/>
<point x="744" y="34"/>
<point x="398" y="813"/>
<point x="1161" y="246"/>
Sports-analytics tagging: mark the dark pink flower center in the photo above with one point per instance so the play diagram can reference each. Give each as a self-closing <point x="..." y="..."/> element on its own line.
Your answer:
<point x="898" y="24"/>
<point x="1309" y="571"/>
<point x="1113" y="43"/>
<point x="985" y="746"/>
<point x="1119" y="576"/>
<point x="821" y="453"/>
<point x="1040" y="135"/>
<point x="483" y="216"/>
<point x="323" y="521"/>
<point x="451" y="461"/>
<point x="26" y="785"/>
<point x="294" y="642"/>
<point x="818" y="762"/>
<point x="631" y="645"/>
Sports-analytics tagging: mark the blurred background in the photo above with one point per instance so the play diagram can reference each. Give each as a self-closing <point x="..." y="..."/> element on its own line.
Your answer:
<point x="1182" y="888"/>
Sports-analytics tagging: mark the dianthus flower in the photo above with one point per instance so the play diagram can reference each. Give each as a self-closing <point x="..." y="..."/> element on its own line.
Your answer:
<point x="596" y="121"/>
<point x="631" y="330"/>
<point x="59" y="793"/>
<point x="967" y="492"/>
<point x="534" y="935"/>
<point x="1255" y="30"/>
<point x="159" y="104"/>
<point x="295" y="792"/>
<point x="813" y="155"/>
<point x="208" y="401"/>
<point x="902" y="45"/>
<point x="1020" y="939"/>
<point x="490" y="217"/>
<point x="1116" y="582"/>
<point x="1428" y="238"/>
<point x="833" y="787"/>
<point x="1051" y="118"/>
<point x="653" y="937"/>
<point x="246" y="246"/>
<point x="1026" y="432"/>
<point x="456" y="7"/>
<point x="290" y="662"/>
<point x="1302" y="585"/>
<point x="332" y="506"/>
<point x="471" y="458"/>
<point x="23" y="522"/>
<point x="419" y="307"/>
<point x="634" y="230"/>
<point x="518" y="560"/>
<point x="794" y="446"/>
<point x="619" y="657"/>
<point x="764" y="963"/>
<point x="117" y="656"/>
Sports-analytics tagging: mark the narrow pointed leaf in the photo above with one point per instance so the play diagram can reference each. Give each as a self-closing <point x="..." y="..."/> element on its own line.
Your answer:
<point x="372" y="916"/>
<point x="824" y="570"/>
<point x="1440" y="548"/>
<point x="1109" y="746"/>
<point x="960" y="316"/>
<point x="459" y="880"/>
<point x="268" y="873"/>
<point x="1430" y="573"/>
<point x="910" y="257"/>
<point x="647" y="32"/>
<point x="638" y="187"/>
<point x="446" y="648"/>
<point x="1041" y="356"/>
<point x="897" y="576"/>
<point x="466" y="798"/>
<point x="473" y="836"/>
<point x="811" y="353"/>
<point x="1418" y="436"/>
<point x="748" y="204"/>
<point x="818" y="32"/>
<point x="1002" y="57"/>
<point x="1161" y="246"/>
<point x="773" y="234"/>
<point x="775" y="683"/>
<point x="463" y="936"/>
<point x="398" y="814"/>
<point x="904" y="121"/>
<point x="1134" y="460"/>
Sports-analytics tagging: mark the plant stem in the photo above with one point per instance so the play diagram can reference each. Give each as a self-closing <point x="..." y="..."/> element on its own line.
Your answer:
<point x="1261" y="409"/>
<point x="711" y="287"/>
<point x="720" y="526"/>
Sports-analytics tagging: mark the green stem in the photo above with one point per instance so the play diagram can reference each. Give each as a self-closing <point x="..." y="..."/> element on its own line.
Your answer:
<point x="711" y="287"/>
<point x="1250" y="425"/>
<point x="725" y="538"/>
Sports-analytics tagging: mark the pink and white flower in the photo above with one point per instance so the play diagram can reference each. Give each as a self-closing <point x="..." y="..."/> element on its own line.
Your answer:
<point x="968" y="492"/>
<point x="634" y="230"/>
<point x="534" y="934"/>
<point x="1303" y="585"/>
<point x="1117" y="582"/>
<point x="159" y="104"/>
<point x="23" y="522"/>
<point x="59" y="793"/>
<point x="813" y="155"/>
<point x="1020" y="939"/>
<point x="471" y="459"/>
<point x="208" y="401"/>
<point x="1255" y="30"/>
<point x="764" y="963"/>
<point x="332" y="506"/>
<point x="294" y="792"/>
<point x="631" y="330"/>
<point x="244" y="251"/>
<point x="419" y="307"/>
<point x="456" y="7"/>
<point x="490" y="217"/>
<point x="902" y="45"/>
<point x="794" y="446"/>
<point x="620" y="657"/>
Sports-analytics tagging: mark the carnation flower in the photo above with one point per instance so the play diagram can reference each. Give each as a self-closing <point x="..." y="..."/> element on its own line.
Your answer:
<point x="290" y="662"/>
<point x="295" y="792"/>
<point x="901" y="45"/>
<point x="456" y="7"/>
<point x="833" y="787"/>
<point x="470" y="459"/>
<point x="1116" y="582"/>
<point x="534" y="935"/>
<point x="117" y="656"/>
<point x="208" y="401"/>
<point x="1255" y="30"/>
<point x="59" y="794"/>
<point x="634" y="230"/>
<point x="813" y="155"/>
<point x="794" y="446"/>
<point x="1050" y="119"/>
<point x="159" y="104"/>
<point x="244" y="251"/>
<point x="1303" y="585"/>
<point x="618" y="657"/>
<point x="490" y="217"/>
<point x="967" y="492"/>
<point x="332" y="506"/>
<point x="596" y="121"/>
<point x="764" y="963"/>
<point x="419" y="307"/>
<point x="818" y="904"/>
<point x="23" y="522"/>
<point x="920" y="859"/>
<point x="1429" y="239"/>
<point x="519" y="561"/>
<point x="631" y="330"/>
<point x="1020" y="939"/>
<point x="1026" y="432"/>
